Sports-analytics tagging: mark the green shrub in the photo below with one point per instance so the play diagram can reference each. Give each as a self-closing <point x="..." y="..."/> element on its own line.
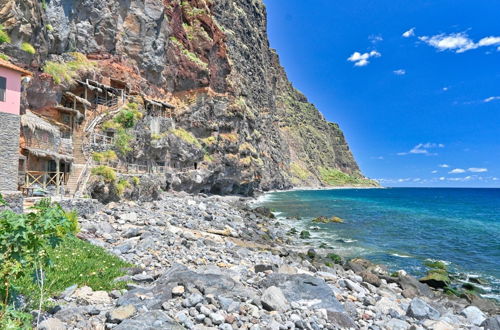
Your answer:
<point x="122" y="141"/>
<point x="4" y="57"/>
<point x="128" y="116"/>
<point x="49" y="27"/>
<point x="25" y="242"/>
<point x="28" y="48"/>
<point x="136" y="180"/>
<point x="121" y="186"/>
<point x="186" y="136"/>
<point x="4" y="37"/>
<point x="104" y="156"/>
<point x="67" y="72"/>
<point x="106" y="173"/>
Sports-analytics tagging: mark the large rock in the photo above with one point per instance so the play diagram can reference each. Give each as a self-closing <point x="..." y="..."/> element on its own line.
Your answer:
<point x="161" y="290"/>
<point x="413" y="288"/>
<point x="492" y="323"/>
<point x="421" y="310"/>
<point x="149" y="321"/>
<point x="312" y="292"/>
<point x="121" y="313"/>
<point x="273" y="300"/>
<point x="52" y="324"/>
<point x="474" y="315"/>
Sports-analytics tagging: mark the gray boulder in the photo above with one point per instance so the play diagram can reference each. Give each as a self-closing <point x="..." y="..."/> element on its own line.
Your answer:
<point x="273" y="300"/>
<point x="420" y="310"/>
<point x="474" y="315"/>
<point x="149" y="321"/>
<point x="492" y="323"/>
<point x="313" y="291"/>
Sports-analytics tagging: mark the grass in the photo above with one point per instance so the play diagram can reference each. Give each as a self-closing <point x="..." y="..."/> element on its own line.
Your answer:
<point x="76" y="262"/>
<point x="67" y="72"/>
<point x="106" y="173"/>
<point x="28" y="48"/>
<point x="121" y="186"/>
<point x="334" y="177"/>
<point x="299" y="171"/>
<point x="104" y="156"/>
<point x="246" y="148"/>
<point x="4" y="37"/>
<point x="186" y="136"/>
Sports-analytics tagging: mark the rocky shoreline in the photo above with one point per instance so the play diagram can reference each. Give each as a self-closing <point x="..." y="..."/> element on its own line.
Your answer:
<point x="211" y="262"/>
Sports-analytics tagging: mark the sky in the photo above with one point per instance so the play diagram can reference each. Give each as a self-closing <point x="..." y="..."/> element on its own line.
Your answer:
<point x="415" y="85"/>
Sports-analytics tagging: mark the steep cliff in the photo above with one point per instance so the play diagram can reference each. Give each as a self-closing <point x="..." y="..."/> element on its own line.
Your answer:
<point x="237" y="115"/>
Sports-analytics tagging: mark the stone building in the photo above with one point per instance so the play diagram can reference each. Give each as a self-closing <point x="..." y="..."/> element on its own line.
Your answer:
<point x="10" y="107"/>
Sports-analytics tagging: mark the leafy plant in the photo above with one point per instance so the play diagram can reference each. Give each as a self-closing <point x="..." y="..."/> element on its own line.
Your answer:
<point x="67" y="72"/>
<point x="49" y="27"/>
<point x="25" y="240"/>
<point x="186" y="136"/>
<point x="122" y="141"/>
<point x="121" y="186"/>
<point x="106" y="173"/>
<point x="128" y="116"/>
<point x="28" y="48"/>
<point x="105" y="156"/>
<point x="4" y="57"/>
<point x="4" y="37"/>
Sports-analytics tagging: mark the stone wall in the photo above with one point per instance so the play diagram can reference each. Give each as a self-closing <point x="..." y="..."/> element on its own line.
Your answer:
<point x="9" y="151"/>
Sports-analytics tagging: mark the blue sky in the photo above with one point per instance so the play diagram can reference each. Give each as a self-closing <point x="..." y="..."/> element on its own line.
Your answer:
<point x="415" y="85"/>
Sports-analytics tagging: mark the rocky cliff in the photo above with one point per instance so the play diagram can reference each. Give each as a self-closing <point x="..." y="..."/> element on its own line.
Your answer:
<point x="237" y="117"/>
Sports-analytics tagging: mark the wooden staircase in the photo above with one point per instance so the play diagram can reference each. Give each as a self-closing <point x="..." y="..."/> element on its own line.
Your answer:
<point x="81" y="162"/>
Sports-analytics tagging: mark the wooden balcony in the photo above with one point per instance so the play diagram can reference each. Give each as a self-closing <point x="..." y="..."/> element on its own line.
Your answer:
<point x="45" y="179"/>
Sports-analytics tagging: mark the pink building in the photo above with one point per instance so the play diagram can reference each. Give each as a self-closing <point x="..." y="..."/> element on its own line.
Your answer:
<point x="10" y="106"/>
<point x="10" y="87"/>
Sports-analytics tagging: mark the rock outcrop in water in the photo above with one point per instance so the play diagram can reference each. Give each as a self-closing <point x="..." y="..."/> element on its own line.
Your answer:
<point x="212" y="60"/>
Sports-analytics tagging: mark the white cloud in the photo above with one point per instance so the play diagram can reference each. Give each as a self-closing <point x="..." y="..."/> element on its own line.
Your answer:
<point x="458" y="42"/>
<point x="442" y="178"/>
<point x="375" y="38"/>
<point x="363" y="59"/>
<point x="423" y="149"/>
<point x="409" y="33"/>
<point x="400" y="72"/>
<point x="445" y="89"/>
<point x="477" y="170"/>
<point x="489" y="41"/>
<point x="434" y="172"/>
<point x="457" y="171"/>
<point x="444" y="165"/>
<point x="491" y="99"/>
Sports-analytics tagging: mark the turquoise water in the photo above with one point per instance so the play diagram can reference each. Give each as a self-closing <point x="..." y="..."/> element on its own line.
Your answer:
<point x="404" y="227"/>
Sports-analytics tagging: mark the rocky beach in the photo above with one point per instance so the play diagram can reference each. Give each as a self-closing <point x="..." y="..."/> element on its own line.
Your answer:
<point x="212" y="262"/>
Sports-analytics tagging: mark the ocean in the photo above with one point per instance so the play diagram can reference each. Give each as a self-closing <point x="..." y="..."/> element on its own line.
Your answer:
<point x="404" y="227"/>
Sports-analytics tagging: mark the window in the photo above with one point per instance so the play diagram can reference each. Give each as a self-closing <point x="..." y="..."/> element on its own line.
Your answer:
<point x="3" y="88"/>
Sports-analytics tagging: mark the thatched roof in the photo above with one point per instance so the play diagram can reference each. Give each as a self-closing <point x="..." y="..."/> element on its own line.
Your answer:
<point x="34" y="122"/>
<point x="159" y="103"/>
<point x="49" y="154"/>
<point x="78" y="98"/>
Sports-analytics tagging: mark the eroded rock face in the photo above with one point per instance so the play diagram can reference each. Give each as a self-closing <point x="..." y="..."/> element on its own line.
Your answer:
<point x="213" y="61"/>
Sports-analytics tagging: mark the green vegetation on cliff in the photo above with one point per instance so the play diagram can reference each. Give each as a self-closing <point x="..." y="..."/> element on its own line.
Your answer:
<point x="67" y="72"/>
<point x="334" y="177"/>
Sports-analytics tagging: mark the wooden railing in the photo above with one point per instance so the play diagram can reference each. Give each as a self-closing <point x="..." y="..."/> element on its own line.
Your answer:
<point x="101" y="139"/>
<point x="45" y="179"/>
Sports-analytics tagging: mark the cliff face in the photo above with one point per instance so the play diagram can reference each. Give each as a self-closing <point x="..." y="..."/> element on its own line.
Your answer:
<point x="211" y="59"/>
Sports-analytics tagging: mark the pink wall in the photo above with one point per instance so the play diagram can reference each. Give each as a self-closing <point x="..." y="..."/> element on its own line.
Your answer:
<point x="12" y="102"/>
